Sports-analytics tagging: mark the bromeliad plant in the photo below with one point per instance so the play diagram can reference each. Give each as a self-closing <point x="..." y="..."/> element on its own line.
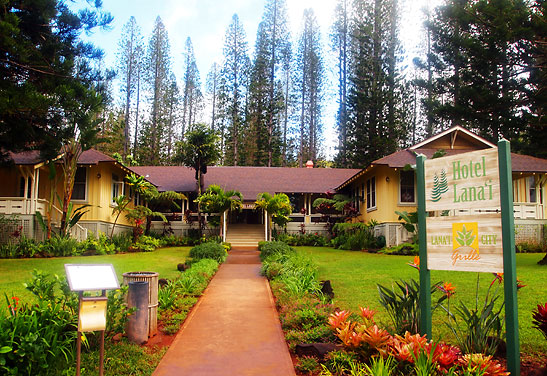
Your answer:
<point x="539" y="319"/>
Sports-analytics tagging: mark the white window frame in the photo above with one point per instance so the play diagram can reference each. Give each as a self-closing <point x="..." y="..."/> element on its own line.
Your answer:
<point x="116" y="183"/>
<point x="529" y="187"/>
<point x="400" y="202"/>
<point x="86" y="187"/>
<point x="371" y="196"/>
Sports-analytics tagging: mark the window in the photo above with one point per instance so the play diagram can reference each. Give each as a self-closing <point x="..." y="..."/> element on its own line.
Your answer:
<point x="532" y="189"/>
<point x="117" y="187"/>
<point x="79" y="190"/>
<point x="371" y="193"/>
<point x="406" y="190"/>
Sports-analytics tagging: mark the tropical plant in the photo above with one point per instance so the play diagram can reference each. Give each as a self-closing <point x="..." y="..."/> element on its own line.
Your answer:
<point x="198" y="150"/>
<point x="120" y="204"/>
<point x="216" y="200"/>
<point x="480" y="329"/>
<point x="410" y="222"/>
<point x="269" y="248"/>
<point x="539" y="317"/>
<point x="402" y="303"/>
<point x="278" y="208"/>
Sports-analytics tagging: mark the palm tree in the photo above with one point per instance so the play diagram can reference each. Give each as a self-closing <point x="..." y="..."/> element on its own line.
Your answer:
<point x="278" y="208"/>
<point x="216" y="200"/>
<point x="199" y="150"/>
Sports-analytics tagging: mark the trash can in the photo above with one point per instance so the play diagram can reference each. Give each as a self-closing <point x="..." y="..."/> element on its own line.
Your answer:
<point x="137" y="326"/>
<point x="152" y="279"/>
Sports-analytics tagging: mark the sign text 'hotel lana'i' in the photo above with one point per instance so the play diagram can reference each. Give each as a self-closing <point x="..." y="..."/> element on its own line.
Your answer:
<point x="465" y="190"/>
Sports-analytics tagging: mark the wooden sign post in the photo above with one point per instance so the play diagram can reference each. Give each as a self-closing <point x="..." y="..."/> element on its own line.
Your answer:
<point x="474" y="227"/>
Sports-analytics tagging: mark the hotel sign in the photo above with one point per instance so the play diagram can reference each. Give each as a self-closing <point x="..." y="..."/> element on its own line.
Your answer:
<point x="459" y="242"/>
<point x="468" y="180"/>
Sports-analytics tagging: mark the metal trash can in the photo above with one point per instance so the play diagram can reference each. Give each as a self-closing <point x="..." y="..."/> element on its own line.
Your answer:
<point x="137" y="326"/>
<point x="152" y="279"/>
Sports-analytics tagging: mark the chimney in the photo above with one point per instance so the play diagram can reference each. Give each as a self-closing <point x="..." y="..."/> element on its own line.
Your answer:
<point x="309" y="164"/>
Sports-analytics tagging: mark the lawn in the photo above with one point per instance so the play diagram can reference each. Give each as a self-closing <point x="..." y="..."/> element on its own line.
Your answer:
<point x="354" y="276"/>
<point x="15" y="272"/>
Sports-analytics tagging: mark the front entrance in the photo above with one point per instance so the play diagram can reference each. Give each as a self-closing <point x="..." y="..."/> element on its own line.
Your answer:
<point x="246" y="216"/>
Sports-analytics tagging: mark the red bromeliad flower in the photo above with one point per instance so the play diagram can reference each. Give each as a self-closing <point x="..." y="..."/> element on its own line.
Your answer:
<point x="416" y="263"/>
<point x="448" y="289"/>
<point x="485" y="363"/>
<point x="368" y="315"/>
<point x="497" y="277"/>
<point x="338" y="318"/>
<point x="400" y="350"/>
<point x="446" y="356"/>
<point x="377" y="338"/>
<point x="539" y="319"/>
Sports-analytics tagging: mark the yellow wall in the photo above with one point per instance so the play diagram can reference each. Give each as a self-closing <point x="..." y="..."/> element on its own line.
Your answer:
<point x="387" y="195"/>
<point x="99" y="190"/>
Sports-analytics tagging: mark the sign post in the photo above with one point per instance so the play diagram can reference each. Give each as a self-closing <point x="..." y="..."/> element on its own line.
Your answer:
<point x="472" y="229"/>
<point x="92" y="309"/>
<point x="425" y="278"/>
<point x="509" y="259"/>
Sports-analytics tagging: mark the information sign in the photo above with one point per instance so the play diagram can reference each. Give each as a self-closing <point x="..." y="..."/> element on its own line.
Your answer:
<point x="462" y="181"/>
<point x="465" y="243"/>
<point x="89" y="277"/>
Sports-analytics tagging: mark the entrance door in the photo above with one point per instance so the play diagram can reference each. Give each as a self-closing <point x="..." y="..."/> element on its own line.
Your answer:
<point x="246" y="216"/>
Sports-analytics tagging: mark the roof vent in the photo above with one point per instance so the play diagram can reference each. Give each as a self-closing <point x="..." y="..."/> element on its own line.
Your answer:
<point x="309" y="164"/>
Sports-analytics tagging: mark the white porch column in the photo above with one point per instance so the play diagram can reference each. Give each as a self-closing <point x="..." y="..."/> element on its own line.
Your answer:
<point x="224" y="227"/>
<point x="266" y="225"/>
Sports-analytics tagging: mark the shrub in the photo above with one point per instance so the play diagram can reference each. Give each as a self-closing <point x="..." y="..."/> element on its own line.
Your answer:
<point x="269" y="248"/>
<point x="213" y="251"/>
<point x="97" y="246"/>
<point x="406" y="249"/>
<point x="354" y="236"/>
<point x="531" y="247"/>
<point x="146" y="244"/>
<point x="307" y="365"/>
<point x="122" y="241"/>
<point x="60" y="246"/>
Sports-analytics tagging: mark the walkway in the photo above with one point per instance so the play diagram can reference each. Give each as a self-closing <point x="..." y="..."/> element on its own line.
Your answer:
<point x="233" y="329"/>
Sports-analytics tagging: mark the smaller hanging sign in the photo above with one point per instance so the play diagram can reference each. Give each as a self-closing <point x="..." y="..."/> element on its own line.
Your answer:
<point x="465" y="243"/>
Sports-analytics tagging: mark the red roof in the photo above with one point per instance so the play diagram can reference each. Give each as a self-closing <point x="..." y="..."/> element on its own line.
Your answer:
<point x="33" y="157"/>
<point x="519" y="162"/>
<point x="250" y="181"/>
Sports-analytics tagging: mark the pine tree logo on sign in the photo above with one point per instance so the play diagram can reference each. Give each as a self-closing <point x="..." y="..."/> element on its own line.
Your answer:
<point x="440" y="186"/>
<point x="465" y="242"/>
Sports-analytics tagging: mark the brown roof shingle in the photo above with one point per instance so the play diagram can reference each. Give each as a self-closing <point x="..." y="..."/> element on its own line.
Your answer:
<point x="250" y="181"/>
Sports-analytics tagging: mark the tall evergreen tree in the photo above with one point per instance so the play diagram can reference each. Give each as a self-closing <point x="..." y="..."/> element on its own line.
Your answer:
<point x="192" y="96"/>
<point x="482" y="48"/>
<point x="130" y="49"/>
<point x="340" y="42"/>
<point x="276" y="35"/>
<point x="233" y="86"/>
<point x="374" y="100"/>
<point x="48" y="91"/>
<point x="309" y="82"/>
<point x="212" y="88"/>
<point x="157" y="76"/>
<point x="172" y="102"/>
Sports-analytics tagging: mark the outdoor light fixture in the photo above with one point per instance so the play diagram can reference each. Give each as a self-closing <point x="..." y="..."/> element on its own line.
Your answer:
<point x="387" y="179"/>
<point x="99" y="175"/>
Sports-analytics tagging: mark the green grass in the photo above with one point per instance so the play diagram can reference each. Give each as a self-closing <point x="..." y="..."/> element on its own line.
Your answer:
<point x="354" y="276"/>
<point x="15" y="272"/>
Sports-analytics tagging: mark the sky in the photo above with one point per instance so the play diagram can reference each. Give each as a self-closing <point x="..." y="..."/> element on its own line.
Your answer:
<point x="205" y="22"/>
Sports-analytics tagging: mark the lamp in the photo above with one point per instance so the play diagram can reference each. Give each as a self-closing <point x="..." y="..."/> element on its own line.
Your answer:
<point x="387" y="179"/>
<point x="98" y="175"/>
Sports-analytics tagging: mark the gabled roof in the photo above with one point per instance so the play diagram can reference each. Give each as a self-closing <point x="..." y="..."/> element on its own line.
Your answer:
<point x="453" y="133"/>
<point x="250" y="181"/>
<point x="520" y="163"/>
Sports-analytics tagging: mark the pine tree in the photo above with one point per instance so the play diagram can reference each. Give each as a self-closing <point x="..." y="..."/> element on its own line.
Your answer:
<point x="172" y="102"/>
<point x="233" y="87"/>
<point x="276" y="35"/>
<point x="375" y="123"/>
<point x="192" y="96"/>
<point x="212" y="88"/>
<point x="340" y="43"/>
<point x="309" y="82"/>
<point x="130" y="49"/>
<point x="157" y="77"/>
